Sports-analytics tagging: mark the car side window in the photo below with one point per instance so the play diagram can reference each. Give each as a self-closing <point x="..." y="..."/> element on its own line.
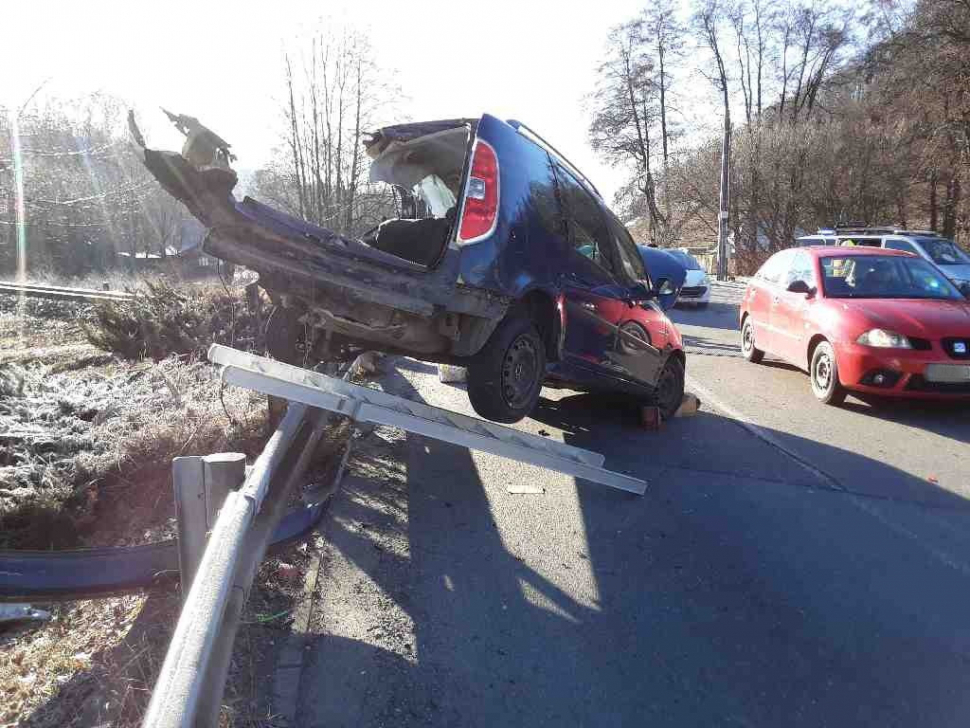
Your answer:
<point x="900" y="245"/>
<point x="629" y="256"/>
<point x="776" y="267"/>
<point x="800" y="270"/>
<point x="588" y="232"/>
<point x="544" y="196"/>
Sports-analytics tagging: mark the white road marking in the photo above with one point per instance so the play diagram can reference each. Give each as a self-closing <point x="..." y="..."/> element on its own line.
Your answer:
<point x="707" y="396"/>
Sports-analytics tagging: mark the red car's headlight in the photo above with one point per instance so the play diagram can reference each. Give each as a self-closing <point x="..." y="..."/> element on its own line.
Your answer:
<point x="882" y="339"/>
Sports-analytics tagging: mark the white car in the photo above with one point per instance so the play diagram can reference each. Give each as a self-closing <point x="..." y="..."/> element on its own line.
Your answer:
<point x="940" y="251"/>
<point x="697" y="287"/>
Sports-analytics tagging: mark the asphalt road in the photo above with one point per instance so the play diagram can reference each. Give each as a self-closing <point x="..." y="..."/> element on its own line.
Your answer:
<point x="790" y="565"/>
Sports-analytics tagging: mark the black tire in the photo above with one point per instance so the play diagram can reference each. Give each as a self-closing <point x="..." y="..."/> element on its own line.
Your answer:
<point x="824" y="374"/>
<point x="670" y="387"/>
<point x="748" y="349"/>
<point x="505" y="377"/>
<point x="285" y="335"/>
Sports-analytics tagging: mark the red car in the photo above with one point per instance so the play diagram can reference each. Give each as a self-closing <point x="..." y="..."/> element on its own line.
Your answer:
<point x="865" y="320"/>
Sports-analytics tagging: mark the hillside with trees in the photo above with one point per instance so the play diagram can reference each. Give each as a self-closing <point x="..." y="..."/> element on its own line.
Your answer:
<point x="834" y="115"/>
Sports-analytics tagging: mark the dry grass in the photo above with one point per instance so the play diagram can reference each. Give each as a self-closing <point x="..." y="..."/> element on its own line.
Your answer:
<point x="109" y="280"/>
<point x="96" y="444"/>
<point x="28" y="324"/>
<point x="86" y="440"/>
<point x="96" y="662"/>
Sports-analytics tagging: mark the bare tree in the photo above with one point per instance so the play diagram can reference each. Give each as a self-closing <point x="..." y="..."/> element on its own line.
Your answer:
<point x="709" y="20"/>
<point x="335" y="92"/>
<point x="84" y="196"/>
<point x="626" y="108"/>
<point x="665" y="34"/>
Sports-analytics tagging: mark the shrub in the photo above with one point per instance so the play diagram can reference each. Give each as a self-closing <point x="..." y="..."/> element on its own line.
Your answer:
<point x="166" y="319"/>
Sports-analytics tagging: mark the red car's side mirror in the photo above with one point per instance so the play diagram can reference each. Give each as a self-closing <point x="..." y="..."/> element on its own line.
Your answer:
<point x="800" y="286"/>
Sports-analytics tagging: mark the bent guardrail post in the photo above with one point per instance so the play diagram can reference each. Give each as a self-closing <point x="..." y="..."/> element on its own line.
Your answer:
<point x="201" y="485"/>
<point x="188" y="483"/>
<point x="178" y="689"/>
<point x="221" y="472"/>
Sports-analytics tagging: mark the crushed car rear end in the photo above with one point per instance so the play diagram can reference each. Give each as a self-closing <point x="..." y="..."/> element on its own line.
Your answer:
<point x="398" y="287"/>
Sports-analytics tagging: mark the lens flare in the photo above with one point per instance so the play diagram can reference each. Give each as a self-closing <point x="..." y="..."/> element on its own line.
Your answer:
<point x="18" y="180"/>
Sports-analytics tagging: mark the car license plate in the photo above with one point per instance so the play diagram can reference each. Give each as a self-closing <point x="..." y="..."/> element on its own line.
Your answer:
<point x="949" y="373"/>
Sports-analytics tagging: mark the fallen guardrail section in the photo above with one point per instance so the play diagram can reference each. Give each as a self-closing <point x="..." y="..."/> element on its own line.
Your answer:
<point x="70" y="574"/>
<point x="370" y="405"/>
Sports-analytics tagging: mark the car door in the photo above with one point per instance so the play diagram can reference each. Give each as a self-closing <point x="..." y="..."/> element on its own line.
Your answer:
<point x="586" y="281"/>
<point x="760" y="295"/>
<point x="596" y="303"/>
<point x="789" y="310"/>
<point x="644" y="329"/>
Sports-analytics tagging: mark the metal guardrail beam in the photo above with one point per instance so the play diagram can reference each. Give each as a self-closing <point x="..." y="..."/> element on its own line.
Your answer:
<point x="178" y="691"/>
<point x="62" y="293"/>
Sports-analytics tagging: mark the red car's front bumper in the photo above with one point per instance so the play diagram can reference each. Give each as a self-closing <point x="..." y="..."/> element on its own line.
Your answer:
<point x="903" y="372"/>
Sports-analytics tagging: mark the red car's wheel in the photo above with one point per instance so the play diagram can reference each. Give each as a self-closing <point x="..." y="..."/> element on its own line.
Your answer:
<point x="748" y="349"/>
<point x="825" y="375"/>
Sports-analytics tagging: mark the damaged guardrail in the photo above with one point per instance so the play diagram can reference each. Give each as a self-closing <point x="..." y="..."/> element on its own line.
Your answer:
<point x="190" y="685"/>
<point x="189" y="688"/>
<point x="61" y="293"/>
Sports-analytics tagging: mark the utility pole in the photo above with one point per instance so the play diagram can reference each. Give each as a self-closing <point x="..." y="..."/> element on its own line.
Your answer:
<point x="725" y="202"/>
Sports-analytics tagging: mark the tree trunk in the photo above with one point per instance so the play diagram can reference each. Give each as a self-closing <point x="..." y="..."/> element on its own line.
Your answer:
<point x="355" y="157"/>
<point x="664" y="136"/>
<point x="298" y="169"/>
<point x="950" y="207"/>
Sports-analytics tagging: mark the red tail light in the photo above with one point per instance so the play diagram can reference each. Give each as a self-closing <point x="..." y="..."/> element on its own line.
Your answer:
<point x="479" y="217"/>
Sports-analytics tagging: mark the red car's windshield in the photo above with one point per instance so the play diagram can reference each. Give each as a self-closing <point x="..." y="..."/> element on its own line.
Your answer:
<point x="872" y="276"/>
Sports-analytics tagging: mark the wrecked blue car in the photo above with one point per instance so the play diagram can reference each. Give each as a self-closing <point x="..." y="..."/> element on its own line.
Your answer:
<point x="504" y="259"/>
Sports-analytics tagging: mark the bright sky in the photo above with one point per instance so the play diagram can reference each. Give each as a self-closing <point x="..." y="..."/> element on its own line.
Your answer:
<point x="222" y="62"/>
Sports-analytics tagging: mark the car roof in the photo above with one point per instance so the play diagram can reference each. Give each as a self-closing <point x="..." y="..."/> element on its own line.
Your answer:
<point x="824" y="251"/>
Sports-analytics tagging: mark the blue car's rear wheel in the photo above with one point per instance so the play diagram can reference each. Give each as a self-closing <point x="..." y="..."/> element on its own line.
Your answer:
<point x="505" y="377"/>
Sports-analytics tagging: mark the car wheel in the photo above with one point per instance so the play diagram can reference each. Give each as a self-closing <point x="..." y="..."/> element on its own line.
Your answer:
<point x="670" y="387"/>
<point x="505" y="377"/>
<point x="825" y="375"/>
<point x="285" y="335"/>
<point x="751" y="352"/>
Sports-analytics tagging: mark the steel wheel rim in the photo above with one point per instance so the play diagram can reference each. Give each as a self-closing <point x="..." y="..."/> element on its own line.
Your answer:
<point x="667" y="389"/>
<point x="823" y="371"/>
<point x="519" y="372"/>
<point x="747" y="338"/>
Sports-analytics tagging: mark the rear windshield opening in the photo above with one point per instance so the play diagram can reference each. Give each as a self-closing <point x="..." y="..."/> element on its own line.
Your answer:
<point x="423" y="175"/>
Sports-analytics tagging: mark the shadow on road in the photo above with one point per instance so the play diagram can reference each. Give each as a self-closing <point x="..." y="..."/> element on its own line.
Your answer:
<point x="949" y="419"/>
<point x="736" y="593"/>
<point x="717" y="315"/>
<point x="709" y="347"/>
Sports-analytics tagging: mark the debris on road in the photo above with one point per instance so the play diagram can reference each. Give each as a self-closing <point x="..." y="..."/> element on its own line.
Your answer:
<point x="688" y="406"/>
<point x="524" y="489"/>
<point x="451" y="374"/>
